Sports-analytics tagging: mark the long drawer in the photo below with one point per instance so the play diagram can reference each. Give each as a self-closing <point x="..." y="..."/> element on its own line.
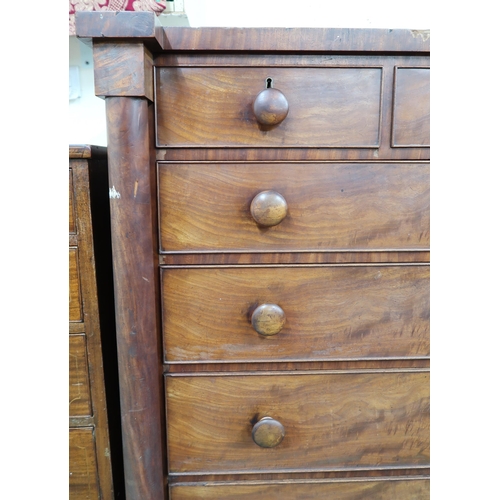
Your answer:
<point x="323" y="207"/>
<point x="318" y="313"/>
<point x="331" y="421"/>
<point x="400" y="489"/>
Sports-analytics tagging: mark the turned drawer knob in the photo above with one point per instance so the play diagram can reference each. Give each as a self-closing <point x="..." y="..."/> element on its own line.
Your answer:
<point x="268" y="208"/>
<point x="268" y="433"/>
<point x="268" y="319"/>
<point x="270" y="105"/>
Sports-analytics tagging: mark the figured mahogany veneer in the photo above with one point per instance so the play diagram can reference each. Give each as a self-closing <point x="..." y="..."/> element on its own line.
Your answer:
<point x="347" y="206"/>
<point x="333" y="420"/>
<point x="413" y="489"/>
<point x="270" y="222"/>
<point x="332" y="313"/>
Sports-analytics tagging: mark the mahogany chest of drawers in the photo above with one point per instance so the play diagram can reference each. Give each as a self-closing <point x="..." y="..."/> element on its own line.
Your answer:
<point x="269" y="193"/>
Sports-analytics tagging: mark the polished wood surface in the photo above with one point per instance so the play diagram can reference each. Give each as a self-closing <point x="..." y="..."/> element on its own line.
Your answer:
<point x="79" y="385"/>
<point x="268" y="319"/>
<point x="83" y="476"/>
<point x="123" y="70"/>
<point x="331" y="313"/>
<point x="296" y="258"/>
<point x="350" y="158"/>
<point x="411" y="125"/>
<point x="270" y="106"/>
<point x="75" y="301"/>
<point x="206" y="207"/>
<point x="268" y="433"/>
<point x="332" y="420"/>
<point x="268" y="208"/>
<point x="132" y="184"/>
<point x="90" y="329"/>
<point x="301" y="40"/>
<point x="328" y="107"/>
<point x="71" y="210"/>
<point x="413" y="489"/>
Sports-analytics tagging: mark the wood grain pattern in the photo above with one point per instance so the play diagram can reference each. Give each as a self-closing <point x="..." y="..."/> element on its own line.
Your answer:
<point x="330" y="206"/>
<point x="331" y="313"/>
<point x="136" y="280"/>
<point x="71" y="211"/>
<point x="332" y="421"/>
<point x="123" y="70"/>
<point x="250" y="366"/>
<point x="75" y="299"/>
<point x="328" y="107"/>
<point x="83" y="478"/>
<point x="79" y="386"/>
<point x="293" y="258"/>
<point x="409" y="489"/>
<point x="302" y="40"/>
<point x="136" y="26"/>
<point x="411" y="107"/>
<point x="89" y="405"/>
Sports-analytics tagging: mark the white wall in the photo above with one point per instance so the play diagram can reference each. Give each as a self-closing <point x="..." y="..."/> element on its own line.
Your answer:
<point x="87" y="122"/>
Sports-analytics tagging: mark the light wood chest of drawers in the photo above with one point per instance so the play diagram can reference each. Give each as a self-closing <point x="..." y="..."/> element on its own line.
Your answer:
<point x="90" y="473"/>
<point x="270" y="223"/>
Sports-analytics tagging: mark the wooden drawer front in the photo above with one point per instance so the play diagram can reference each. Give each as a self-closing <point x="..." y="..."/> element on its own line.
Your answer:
<point x="332" y="421"/>
<point x="83" y="480"/>
<point x="79" y="387"/>
<point x="72" y="218"/>
<point x="75" y="301"/>
<point x="411" y="107"/>
<point x="331" y="313"/>
<point x="412" y="489"/>
<point x="206" y="207"/>
<point x="213" y="107"/>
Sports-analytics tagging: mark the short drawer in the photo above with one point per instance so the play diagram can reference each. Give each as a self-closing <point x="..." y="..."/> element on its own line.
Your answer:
<point x="213" y="107"/>
<point x="83" y="478"/>
<point x="330" y="420"/>
<point x="321" y="313"/>
<point x="75" y="301"/>
<point x="318" y="207"/>
<point x="71" y="212"/>
<point x="79" y="387"/>
<point x="400" y="489"/>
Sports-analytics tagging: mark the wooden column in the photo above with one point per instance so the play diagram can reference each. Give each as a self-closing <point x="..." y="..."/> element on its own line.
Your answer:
<point x="123" y="76"/>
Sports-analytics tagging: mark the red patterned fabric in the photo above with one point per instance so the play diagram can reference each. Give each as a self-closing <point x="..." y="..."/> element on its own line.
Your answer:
<point x="112" y="5"/>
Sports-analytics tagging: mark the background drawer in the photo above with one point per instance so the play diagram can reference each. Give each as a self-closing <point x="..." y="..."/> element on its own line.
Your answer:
<point x="75" y="300"/>
<point x="331" y="313"/>
<point x="212" y="107"/>
<point x="356" y="490"/>
<point x="332" y="421"/>
<point x="83" y="479"/>
<point x="79" y="386"/>
<point x="345" y="206"/>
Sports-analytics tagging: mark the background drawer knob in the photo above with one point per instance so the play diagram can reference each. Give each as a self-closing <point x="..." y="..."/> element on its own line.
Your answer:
<point x="268" y="433"/>
<point x="268" y="208"/>
<point x="270" y="105"/>
<point x="268" y="319"/>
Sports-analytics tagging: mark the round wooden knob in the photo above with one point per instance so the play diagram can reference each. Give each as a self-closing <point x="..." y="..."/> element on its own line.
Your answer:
<point x="268" y="433"/>
<point x="268" y="319"/>
<point x="270" y="107"/>
<point x="268" y="208"/>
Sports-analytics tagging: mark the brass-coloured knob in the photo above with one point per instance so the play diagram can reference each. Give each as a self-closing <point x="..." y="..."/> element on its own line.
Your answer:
<point x="268" y="433"/>
<point x="268" y="208"/>
<point x="270" y="107"/>
<point x="268" y="319"/>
